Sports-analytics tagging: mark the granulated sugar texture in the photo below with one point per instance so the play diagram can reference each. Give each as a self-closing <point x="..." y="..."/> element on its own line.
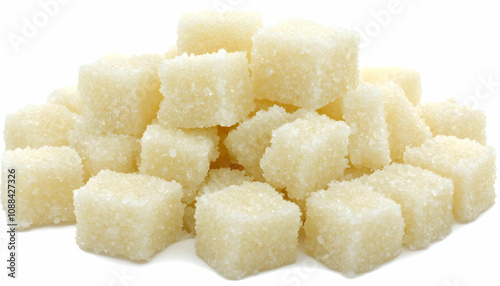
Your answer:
<point x="241" y="136"/>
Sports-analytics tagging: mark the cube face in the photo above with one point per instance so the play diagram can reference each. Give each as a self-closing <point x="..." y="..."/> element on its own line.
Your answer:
<point x="180" y="155"/>
<point x="67" y="97"/>
<point x="303" y="63"/>
<point x="121" y="94"/>
<point x="208" y="32"/>
<point x="406" y="128"/>
<point x="248" y="142"/>
<point x="363" y="110"/>
<point x="219" y="179"/>
<point x="469" y="164"/>
<point x="451" y="119"/>
<point x="45" y="180"/>
<point x="204" y="91"/>
<point x="245" y="229"/>
<point x="105" y="151"/>
<point x="306" y="154"/>
<point x="131" y="215"/>
<point x="408" y="79"/>
<point x="36" y="126"/>
<point x="351" y="228"/>
<point x="426" y="201"/>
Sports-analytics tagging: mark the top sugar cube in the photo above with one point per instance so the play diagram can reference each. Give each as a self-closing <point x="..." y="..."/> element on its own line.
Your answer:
<point x="303" y="63"/>
<point x="207" y="32"/>
<point x="120" y="94"/>
<point x="205" y="91"/>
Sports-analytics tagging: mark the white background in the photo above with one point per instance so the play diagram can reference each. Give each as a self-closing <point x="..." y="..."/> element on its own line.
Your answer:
<point x="454" y="44"/>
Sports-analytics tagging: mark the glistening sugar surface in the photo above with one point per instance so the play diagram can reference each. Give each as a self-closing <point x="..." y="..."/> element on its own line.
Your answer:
<point x="120" y="94"/>
<point x="36" y="126"/>
<point x="247" y="228"/>
<point x="248" y="142"/>
<point x="469" y="164"/>
<point x="180" y="155"/>
<point x="130" y="215"/>
<point x="425" y="198"/>
<point x="303" y="63"/>
<point x="363" y="110"/>
<point x="306" y="154"/>
<point x="408" y="79"/>
<point x="206" y="90"/>
<point x="452" y="119"/>
<point x="116" y="152"/>
<point x="351" y="228"/>
<point x="207" y="32"/>
<point x="46" y="178"/>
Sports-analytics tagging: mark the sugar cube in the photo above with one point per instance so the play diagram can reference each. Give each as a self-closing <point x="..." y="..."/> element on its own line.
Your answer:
<point x="452" y="119"/>
<point x="363" y="110"/>
<point x="408" y="79"/>
<point x="207" y="32"/>
<point x="248" y="142"/>
<point x="303" y="63"/>
<point x="207" y="90"/>
<point x="116" y="152"/>
<point x="469" y="164"/>
<point x="36" y="126"/>
<point x="131" y="215"/>
<point x="120" y="94"/>
<point x="425" y="198"/>
<point x="180" y="155"/>
<point x="247" y="228"/>
<point x="306" y="154"/>
<point x="406" y="128"/>
<point x="351" y="228"/>
<point x="67" y="96"/>
<point x="44" y="181"/>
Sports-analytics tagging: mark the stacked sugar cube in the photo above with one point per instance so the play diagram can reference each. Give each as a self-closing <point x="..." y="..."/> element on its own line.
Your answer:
<point x="239" y="136"/>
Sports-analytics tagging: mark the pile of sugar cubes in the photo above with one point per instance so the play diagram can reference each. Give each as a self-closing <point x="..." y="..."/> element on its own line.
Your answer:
<point x="243" y="137"/>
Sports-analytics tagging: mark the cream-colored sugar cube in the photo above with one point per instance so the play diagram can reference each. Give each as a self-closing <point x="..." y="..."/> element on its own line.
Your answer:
<point x="469" y="164"/>
<point x="116" y="152"/>
<point x="180" y="155"/>
<point x="36" y="126"/>
<point x="452" y="119"/>
<point x="406" y="128"/>
<point x="408" y="79"/>
<point x="248" y="142"/>
<point x="247" y="228"/>
<point x="303" y="63"/>
<point x="67" y="96"/>
<point x="217" y="179"/>
<point x="206" y="90"/>
<point x="44" y="180"/>
<point x="351" y="228"/>
<point x="306" y="154"/>
<point x="425" y="198"/>
<point x="363" y="110"/>
<point x="130" y="215"/>
<point x="207" y="32"/>
<point x="120" y="94"/>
